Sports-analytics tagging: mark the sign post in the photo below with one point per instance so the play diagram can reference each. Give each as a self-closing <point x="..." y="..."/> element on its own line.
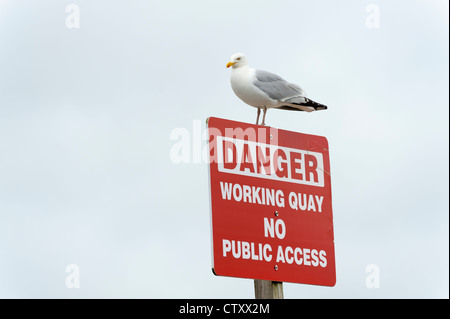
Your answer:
<point x="271" y="213"/>
<point x="266" y="289"/>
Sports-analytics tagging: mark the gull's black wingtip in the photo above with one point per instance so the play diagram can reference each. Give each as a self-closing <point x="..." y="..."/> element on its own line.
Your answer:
<point x="314" y="104"/>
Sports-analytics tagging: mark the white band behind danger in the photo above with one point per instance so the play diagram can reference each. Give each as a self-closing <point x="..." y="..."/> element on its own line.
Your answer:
<point x="268" y="161"/>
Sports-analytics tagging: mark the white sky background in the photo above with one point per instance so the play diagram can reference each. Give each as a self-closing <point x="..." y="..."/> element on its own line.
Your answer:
<point x="86" y="116"/>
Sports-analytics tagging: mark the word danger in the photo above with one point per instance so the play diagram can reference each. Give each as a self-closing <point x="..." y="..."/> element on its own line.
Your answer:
<point x="264" y="252"/>
<point x="269" y="161"/>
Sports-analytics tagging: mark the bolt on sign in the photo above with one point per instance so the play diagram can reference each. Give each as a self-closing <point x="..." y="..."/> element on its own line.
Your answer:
<point x="271" y="214"/>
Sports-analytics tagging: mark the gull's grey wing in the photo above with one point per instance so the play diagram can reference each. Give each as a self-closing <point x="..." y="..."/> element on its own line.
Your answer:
<point x="277" y="88"/>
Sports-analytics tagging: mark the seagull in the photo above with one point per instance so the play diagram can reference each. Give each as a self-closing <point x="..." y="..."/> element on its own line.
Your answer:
<point x="265" y="90"/>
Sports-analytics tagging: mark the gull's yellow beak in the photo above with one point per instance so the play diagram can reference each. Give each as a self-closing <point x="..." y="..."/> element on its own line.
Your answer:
<point x="230" y="64"/>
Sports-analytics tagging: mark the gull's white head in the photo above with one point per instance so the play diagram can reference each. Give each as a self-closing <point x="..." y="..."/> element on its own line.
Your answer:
<point x="237" y="60"/>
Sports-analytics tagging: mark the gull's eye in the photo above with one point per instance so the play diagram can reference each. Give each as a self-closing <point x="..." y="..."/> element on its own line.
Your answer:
<point x="238" y="59"/>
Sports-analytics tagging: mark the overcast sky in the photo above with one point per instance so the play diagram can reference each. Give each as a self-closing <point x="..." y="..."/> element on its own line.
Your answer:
<point x="88" y="106"/>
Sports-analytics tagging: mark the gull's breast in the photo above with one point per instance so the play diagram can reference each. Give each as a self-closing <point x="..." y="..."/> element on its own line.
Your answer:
<point x="242" y="85"/>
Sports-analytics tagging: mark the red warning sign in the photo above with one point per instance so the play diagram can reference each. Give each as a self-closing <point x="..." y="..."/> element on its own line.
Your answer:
<point x="271" y="212"/>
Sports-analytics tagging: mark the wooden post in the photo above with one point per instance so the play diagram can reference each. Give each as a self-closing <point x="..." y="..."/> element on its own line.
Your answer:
<point x="266" y="289"/>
